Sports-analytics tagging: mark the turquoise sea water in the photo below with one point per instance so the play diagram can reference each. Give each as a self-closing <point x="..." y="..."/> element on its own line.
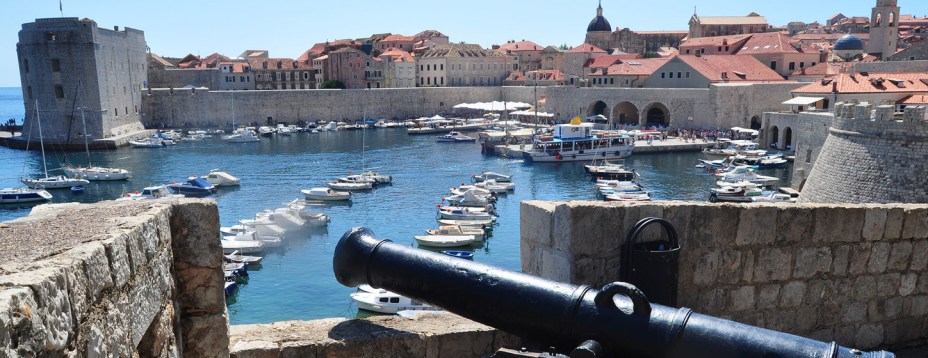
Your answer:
<point x="297" y="282"/>
<point x="11" y="104"/>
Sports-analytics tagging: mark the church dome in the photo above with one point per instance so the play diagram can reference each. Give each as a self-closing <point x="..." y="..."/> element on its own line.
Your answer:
<point x="599" y="23"/>
<point x="849" y="42"/>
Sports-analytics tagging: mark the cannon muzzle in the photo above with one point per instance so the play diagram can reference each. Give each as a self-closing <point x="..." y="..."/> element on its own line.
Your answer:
<point x="618" y="316"/>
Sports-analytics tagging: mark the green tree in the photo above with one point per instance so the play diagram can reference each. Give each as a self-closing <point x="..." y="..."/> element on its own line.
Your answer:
<point x="333" y="84"/>
<point x="563" y="47"/>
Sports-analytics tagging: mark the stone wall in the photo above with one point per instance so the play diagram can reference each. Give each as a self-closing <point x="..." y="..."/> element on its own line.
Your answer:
<point x="853" y="274"/>
<point x="871" y="156"/>
<point x="113" y="279"/>
<point x="809" y="131"/>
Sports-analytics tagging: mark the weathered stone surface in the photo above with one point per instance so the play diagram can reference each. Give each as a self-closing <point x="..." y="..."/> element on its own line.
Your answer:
<point x="756" y="226"/>
<point x="707" y="269"/>
<point x="887" y="284"/>
<point x="794" y="225"/>
<point x="899" y="256"/>
<point x="555" y="265"/>
<point x="50" y="287"/>
<point x="838" y="224"/>
<point x="916" y="223"/>
<point x="159" y="340"/>
<point x="536" y="221"/>
<point x="768" y="296"/>
<point x="841" y="260"/>
<point x="731" y="269"/>
<point x="919" y="305"/>
<point x="919" y="260"/>
<point x="117" y="252"/>
<point x="874" y="224"/>
<point x="792" y="294"/>
<point x="854" y="312"/>
<point x="895" y="218"/>
<point x="773" y="264"/>
<point x="892" y="307"/>
<point x="865" y="287"/>
<point x="869" y="335"/>
<point x="860" y="257"/>
<point x="879" y="257"/>
<point x="908" y="283"/>
<point x="22" y="330"/>
<point x="810" y="262"/>
<point x="201" y="339"/>
<point x="742" y="299"/>
<point x="599" y="227"/>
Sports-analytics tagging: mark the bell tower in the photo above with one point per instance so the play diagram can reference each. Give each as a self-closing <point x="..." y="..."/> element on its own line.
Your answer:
<point x="884" y="29"/>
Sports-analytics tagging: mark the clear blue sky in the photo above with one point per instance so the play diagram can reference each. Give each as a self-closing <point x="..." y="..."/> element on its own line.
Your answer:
<point x="287" y="28"/>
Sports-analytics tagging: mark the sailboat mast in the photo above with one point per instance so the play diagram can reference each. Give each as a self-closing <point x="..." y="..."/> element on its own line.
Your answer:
<point x="233" y="111"/>
<point x="86" y="143"/>
<point x="38" y="120"/>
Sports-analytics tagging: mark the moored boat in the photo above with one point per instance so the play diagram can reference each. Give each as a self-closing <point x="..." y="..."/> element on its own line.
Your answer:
<point x="326" y="194"/>
<point x="193" y="187"/>
<point x="54" y="182"/>
<point x="339" y="185"/>
<point x="576" y="142"/>
<point x="23" y="195"/>
<point x="382" y="301"/>
<point x="446" y="240"/>
<point x="499" y="178"/>
<point x="220" y="178"/>
<point x="468" y="255"/>
<point x="152" y="192"/>
<point x="455" y="137"/>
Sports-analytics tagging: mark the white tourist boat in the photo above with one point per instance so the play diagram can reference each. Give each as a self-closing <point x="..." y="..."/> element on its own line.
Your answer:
<point x="149" y="142"/>
<point x="339" y="185"/>
<point x="500" y="178"/>
<point x="576" y="142"/>
<point x="152" y="192"/>
<point x="454" y="137"/>
<point x="745" y="173"/>
<point x="326" y="194"/>
<point x="382" y="301"/>
<point x="23" y="195"/>
<point x="724" y="148"/>
<point x="221" y="179"/>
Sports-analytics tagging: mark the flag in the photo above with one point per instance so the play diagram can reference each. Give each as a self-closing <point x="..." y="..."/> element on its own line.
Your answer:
<point x="60" y="7"/>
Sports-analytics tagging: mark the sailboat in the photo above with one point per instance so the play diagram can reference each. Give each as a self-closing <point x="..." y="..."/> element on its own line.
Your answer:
<point x="91" y="172"/>
<point x="26" y="195"/>
<point x="56" y="182"/>
<point x="246" y="136"/>
<point x="366" y="176"/>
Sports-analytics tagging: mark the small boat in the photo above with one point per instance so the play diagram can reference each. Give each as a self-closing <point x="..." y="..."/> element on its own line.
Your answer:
<point x="464" y="214"/>
<point x="446" y="240"/>
<point x="23" y="195"/>
<point x="150" y="142"/>
<point x="468" y="255"/>
<point x="338" y="185"/>
<point x="465" y="223"/>
<point x="495" y="186"/>
<point x="245" y="136"/>
<point x="742" y="192"/>
<point x="382" y="301"/>
<point x="220" y="179"/>
<point x="774" y="198"/>
<point x="765" y="162"/>
<point x="633" y="196"/>
<point x="455" y="137"/>
<point x="55" y="182"/>
<point x="610" y="170"/>
<point x="230" y="287"/>
<point x="500" y="178"/>
<point x="250" y="260"/>
<point x="326" y="194"/>
<point x="242" y="246"/>
<point x="78" y="189"/>
<point x="460" y="190"/>
<point x="745" y="173"/>
<point x="252" y="236"/>
<point x="470" y="198"/>
<point x="152" y="192"/>
<point x="266" y="131"/>
<point x="97" y="173"/>
<point x="726" y="148"/>
<point x="453" y="230"/>
<point x="193" y="187"/>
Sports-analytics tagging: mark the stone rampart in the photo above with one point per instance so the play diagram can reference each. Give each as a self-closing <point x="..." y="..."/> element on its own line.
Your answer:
<point x="871" y="155"/>
<point x="853" y="274"/>
<point x="113" y="279"/>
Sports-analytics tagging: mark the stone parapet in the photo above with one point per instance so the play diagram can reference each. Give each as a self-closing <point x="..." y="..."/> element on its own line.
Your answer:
<point x="113" y="279"/>
<point x="855" y="274"/>
<point x="433" y="335"/>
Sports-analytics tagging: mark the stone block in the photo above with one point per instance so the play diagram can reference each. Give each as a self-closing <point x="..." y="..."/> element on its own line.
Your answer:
<point x="707" y="269"/>
<point x="719" y="226"/>
<point x="731" y="269"/>
<point x="794" y="224"/>
<point x="819" y="292"/>
<point x="845" y="335"/>
<point x="117" y="253"/>
<point x="255" y="349"/>
<point x="899" y="256"/>
<point x="536" y="222"/>
<point x="922" y="286"/>
<point x="681" y="216"/>
<point x="195" y="233"/>
<point x="874" y="224"/>
<point x="748" y="262"/>
<point x="773" y="264"/>
<point x="117" y="331"/>
<point x="879" y="257"/>
<point x="562" y="234"/>
<point x="865" y="287"/>
<point x="892" y="307"/>
<point x="595" y="230"/>
<point x="201" y="339"/>
<point x="895" y="218"/>
<point x="916" y="224"/>
<point x="806" y="320"/>
<point x="555" y="265"/>
<point x="768" y="296"/>
<point x="792" y="294"/>
<point x="742" y="299"/>
<point x="888" y="284"/>
<point x="22" y="330"/>
<point x="756" y="226"/>
<point x="811" y="261"/>
<point x="199" y="289"/>
<point x="147" y="298"/>
<point x="854" y="312"/>
<point x="919" y="305"/>
<point x="860" y="257"/>
<point x="841" y="259"/>
<point x="837" y="224"/>
<point x="869" y="336"/>
<point x="49" y="285"/>
<point x="908" y="283"/>
<point x="714" y="302"/>
<point x="920" y="258"/>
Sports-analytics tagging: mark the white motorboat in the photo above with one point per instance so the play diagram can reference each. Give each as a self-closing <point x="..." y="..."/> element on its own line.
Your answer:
<point x="446" y="240"/>
<point x="775" y="198"/>
<point x="150" y="142"/>
<point x="465" y="214"/>
<point x="326" y="194"/>
<point x="382" y="301"/>
<point x="266" y="131"/>
<point x="23" y="195"/>
<point x="495" y="186"/>
<point x="460" y="190"/>
<point x="245" y="137"/>
<point x="629" y="196"/>
<point x="745" y="173"/>
<point x="470" y="198"/>
<point x="152" y="192"/>
<point x="611" y="170"/>
<point x="742" y="192"/>
<point x="97" y="173"/>
<point x="221" y="179"/>
<point x="242" y="246"/>
<point x="577" y="142"/>
<point x="55" y="182"/>
<point x="238" y="258"/>
<point x="500" y="178"/>
<point x="727" y="148"/>
<point x="340" y="185"/>
<point x="377" y="177"/>
<point x="455" y="137"/>
<point x="268" y="240"/>
<point x="313" y="218"/>
<point x="467" y="223"/>
<point x="457" y="230"/>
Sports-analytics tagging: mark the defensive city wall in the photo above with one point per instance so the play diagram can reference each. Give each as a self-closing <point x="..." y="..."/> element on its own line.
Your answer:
<point x="145" y="279"/>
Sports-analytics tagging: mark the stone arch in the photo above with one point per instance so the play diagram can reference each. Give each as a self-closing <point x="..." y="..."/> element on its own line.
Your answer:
<point x="626" y="113"/>
<point x="598" y="107"/>
<point x="655" y="114"/>
<point x="788" y="138"/>
<point x="879" y="19"/>
<point x="755" y="123"/>
<point x="891" y="21"/>
<point x="775" y="136"/>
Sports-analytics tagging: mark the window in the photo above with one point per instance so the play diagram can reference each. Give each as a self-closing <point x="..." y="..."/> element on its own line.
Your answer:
<point x="612" y="81"/>
<point x="687" y="74"/>
<point x="671" y="75"/>
<point x="663" y="75"/>
<point x="56" y="65"/>
<point x="394" y="300"/>
<point x="809" y="156"/>
<point x="59" y="91"/>
<point x="25" y="65"/>
<point x="687" y="51"/>
<point x="792" y="66"/>
<point x="50" y="36"/>
<point x="127" y="110"/>
<point x="773" y="65"/>
<point x="720" y="49"/>
<point x="442" y="67"/>
<point x="29" y="92"/>
<point x="802" y="65"/>
<point x="679" y="74"/>
<point x="116" y="111"/>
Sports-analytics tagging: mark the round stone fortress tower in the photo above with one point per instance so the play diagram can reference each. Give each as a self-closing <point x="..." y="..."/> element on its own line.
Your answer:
<point x="870" y="156"/>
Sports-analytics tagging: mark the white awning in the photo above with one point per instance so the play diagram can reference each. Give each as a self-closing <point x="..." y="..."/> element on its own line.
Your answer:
<point x="803" y="101"/>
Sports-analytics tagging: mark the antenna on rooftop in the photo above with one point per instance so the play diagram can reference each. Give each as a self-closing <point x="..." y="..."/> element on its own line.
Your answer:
<point x="60" y="8"/>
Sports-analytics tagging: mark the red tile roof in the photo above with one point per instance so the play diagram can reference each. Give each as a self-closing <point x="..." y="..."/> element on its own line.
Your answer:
<point x="910" y="82"/>
<point x="727" y="68"/>
<point x="519" y="46"/>
<point x="398" y="55"/>
<point x="399" y="38"/>
<point x="546" y="75"/>
<point x="824" y="69"/>
<point x="586" y="48"/>
<point x="603" y="61"/>
<point x="915" y="99"/>
<point x="237" y="67"/>
<point x="643" y="67"/>
<point x="772" y="42"/>
<point x="286" y="64"/>
<point x="714" y="41"/>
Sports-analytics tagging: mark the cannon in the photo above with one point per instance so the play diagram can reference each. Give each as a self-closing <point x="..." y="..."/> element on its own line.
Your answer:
<point x="614" y="321"/>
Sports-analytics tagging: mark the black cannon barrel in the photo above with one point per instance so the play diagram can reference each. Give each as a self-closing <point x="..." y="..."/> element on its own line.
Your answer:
<point x="618" y="316"/>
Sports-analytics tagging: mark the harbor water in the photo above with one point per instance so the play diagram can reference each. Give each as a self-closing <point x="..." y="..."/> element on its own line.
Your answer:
<point x="296" y="282"/>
